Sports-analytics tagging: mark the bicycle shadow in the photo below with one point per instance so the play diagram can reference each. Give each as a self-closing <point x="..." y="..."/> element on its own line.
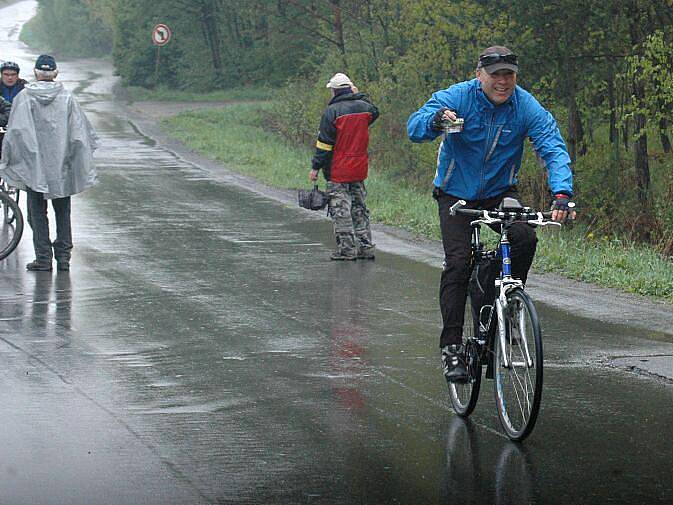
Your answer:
<point x="478" y="472"/>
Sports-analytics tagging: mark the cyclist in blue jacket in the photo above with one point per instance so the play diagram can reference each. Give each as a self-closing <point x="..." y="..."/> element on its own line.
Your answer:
<point x="480" y="164"/>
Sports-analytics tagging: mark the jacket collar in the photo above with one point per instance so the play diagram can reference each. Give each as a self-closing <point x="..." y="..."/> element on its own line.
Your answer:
<point x="346" y="96"/>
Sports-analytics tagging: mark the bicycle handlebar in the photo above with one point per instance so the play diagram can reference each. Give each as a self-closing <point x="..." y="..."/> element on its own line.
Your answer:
<point x="523" y="214"/>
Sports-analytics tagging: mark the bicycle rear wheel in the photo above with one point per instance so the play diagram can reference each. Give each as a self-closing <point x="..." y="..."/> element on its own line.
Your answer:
<point x="518" y="386"/>
<point x="11" y="227"/>
<point x="464" y="396"/>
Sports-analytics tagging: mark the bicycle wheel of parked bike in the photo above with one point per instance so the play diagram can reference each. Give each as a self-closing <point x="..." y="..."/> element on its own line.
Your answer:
<point x="464" y="396"/>
<point x="15" y="196"/>
<point x="12" y="192"/>
<point x="518" y="386"/>
<point x="11" y="227"/>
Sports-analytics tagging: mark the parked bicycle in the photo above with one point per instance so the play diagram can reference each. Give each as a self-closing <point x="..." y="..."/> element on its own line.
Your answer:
<point x="503" y="332"/>
<point x="11" y="226"/>
<point x="15" y="194"/>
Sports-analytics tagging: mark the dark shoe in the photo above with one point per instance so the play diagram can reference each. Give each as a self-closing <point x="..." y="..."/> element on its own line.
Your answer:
<point x="453" y="363"/>
<point x="338" y="256"/>
<point x="366" y="254"/>
<point x="63" y="266"/>
<point x="37" y="266"/>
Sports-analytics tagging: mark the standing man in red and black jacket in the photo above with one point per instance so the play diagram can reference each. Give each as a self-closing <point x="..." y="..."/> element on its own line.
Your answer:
<point x="341" y="153"/>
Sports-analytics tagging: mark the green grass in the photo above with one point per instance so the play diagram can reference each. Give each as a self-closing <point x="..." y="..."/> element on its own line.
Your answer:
<point x="235" y="137"/>
<point x="138" y="94"/>
<point x="607" y="262"/>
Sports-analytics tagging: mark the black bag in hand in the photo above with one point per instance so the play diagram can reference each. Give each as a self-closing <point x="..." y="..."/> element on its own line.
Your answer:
<point x="313" y="199"/>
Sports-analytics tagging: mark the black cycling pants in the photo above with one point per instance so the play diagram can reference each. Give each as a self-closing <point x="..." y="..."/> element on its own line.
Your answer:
<point x="456" y="235"/>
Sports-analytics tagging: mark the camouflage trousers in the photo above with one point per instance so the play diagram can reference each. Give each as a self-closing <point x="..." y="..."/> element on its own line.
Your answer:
<point x="350" y="217"/>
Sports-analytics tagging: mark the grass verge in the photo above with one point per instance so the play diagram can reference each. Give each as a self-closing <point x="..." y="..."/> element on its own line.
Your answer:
<point x="138" y="94"/>
<point x="235" y="137"/>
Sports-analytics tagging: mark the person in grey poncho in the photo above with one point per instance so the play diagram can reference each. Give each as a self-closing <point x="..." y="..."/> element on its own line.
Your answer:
<point x="48" y="152"/>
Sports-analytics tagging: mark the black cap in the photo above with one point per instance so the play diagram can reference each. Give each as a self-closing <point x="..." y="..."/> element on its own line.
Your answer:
<point x="496" y="58"/>
<point x="45" y="62"/>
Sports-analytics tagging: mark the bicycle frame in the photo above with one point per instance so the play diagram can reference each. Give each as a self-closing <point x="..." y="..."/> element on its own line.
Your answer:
<point x="503" y="284"/>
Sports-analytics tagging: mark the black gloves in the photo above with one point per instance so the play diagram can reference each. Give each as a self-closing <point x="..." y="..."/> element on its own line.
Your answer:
<point x="563" y="203"/>
<point x="437" y="119"/>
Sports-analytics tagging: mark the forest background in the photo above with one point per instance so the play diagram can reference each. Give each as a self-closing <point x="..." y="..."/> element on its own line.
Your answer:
<point x="604" y="68"/>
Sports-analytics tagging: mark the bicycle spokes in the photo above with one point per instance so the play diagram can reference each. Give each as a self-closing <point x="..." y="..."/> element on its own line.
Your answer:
<point x="519" y="367"/>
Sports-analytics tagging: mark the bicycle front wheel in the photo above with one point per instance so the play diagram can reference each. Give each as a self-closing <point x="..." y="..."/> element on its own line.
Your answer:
<point x="464" y="396"/>
<point x="518" y="367"/>
<point x="11" y="227"/>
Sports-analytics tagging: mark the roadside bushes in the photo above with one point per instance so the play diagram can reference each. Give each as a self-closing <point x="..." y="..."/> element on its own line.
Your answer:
<point x="68" y="28"/>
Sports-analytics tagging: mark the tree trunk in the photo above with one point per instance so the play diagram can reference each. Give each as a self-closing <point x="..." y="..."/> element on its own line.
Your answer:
<point x="372" y="35"/>
<point x="572" y="134"/>
<point x="626" y="133"/>
<point x="338" y="28"/>
<point x="575" y="130"/>
<point x="579" y="129"/>
<point x="636" y="28"/>
<point x="612" y="104"/>
<point x="665" y="141"/>
<point x="212" y="35"/>
<point x="640" y="147"/>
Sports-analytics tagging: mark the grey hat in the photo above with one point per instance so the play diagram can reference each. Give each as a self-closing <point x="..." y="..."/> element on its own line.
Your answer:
<point x="496" y="58"/>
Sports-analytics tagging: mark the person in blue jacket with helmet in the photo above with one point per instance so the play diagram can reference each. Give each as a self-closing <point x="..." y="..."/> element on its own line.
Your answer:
<point x="480" y="164"/>
<point x="10" y="83"/>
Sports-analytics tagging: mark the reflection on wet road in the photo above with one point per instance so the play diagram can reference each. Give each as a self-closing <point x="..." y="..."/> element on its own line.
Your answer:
<point x="203" y="350"/>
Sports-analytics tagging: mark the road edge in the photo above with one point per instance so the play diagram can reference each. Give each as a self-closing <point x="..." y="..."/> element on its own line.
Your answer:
<point x="578" y="298"/>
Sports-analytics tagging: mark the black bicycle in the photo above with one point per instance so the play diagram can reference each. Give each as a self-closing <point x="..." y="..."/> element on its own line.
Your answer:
<point x="501" y="328"/>
<point x="11" y="225"/>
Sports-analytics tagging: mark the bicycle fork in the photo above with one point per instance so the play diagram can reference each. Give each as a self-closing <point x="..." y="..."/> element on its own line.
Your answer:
<point x="500" y="307"/>
<point x="502" y="330"/>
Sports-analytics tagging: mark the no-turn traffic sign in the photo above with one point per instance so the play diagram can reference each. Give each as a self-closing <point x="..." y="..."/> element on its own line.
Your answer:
<point x="161" y="35"/>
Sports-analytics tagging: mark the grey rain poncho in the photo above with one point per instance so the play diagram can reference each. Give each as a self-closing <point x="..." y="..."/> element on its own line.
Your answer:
<point x="49" y="143"/>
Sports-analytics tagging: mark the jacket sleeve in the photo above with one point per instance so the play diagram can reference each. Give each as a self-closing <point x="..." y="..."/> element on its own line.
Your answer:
<point x="375" y="113"/>
<point x="550" y="147"/>
<point x="419" y="124"/>
<point x="324" y="147"/>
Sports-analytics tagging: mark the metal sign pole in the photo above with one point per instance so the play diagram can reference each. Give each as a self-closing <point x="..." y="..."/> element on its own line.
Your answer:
<point x="156" y="66"/>
<point x="161" y="34"/>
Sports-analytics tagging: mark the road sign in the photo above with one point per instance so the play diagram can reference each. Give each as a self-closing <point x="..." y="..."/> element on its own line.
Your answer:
<point x="161" y="35"/>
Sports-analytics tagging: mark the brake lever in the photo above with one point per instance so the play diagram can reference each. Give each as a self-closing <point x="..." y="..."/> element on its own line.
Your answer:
<point x="541" y="222"/>
<point x="456" y="206"/>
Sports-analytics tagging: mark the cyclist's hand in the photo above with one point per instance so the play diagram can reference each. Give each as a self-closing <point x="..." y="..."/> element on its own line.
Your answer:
<point x="441" y="116"/>
<point x="562" y="208"/>
<point x="313" y="175"/>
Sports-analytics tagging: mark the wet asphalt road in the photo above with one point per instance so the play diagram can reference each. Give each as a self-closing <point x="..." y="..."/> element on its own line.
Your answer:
<point x="203" y="350"/>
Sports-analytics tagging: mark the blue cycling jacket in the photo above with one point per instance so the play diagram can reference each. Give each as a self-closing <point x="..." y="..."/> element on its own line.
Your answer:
<point x="484" y="159"/>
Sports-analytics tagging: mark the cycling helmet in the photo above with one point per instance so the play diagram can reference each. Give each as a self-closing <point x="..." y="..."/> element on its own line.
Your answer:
<point x="9" y="65"/>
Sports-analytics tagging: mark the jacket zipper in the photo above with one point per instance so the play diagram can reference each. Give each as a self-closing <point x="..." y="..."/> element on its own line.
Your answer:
<point x="449" y="171"/>
<point x="495" y="143"/>
<point x="487" y="154"/>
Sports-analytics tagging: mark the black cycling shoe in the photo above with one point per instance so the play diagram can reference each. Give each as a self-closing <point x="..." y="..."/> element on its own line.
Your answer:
<point x="39" y="266"/>
<point x="453" y="363"/>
